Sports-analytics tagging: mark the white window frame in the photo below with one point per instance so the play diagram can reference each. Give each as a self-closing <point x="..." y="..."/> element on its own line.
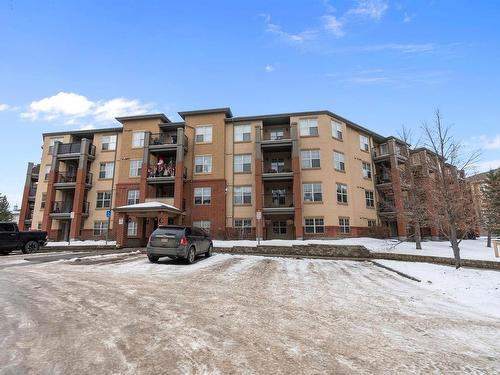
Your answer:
<point x="243" y="225"/>
<point x="242" y="133"/>
<point x="305" y="126"/>
<point x="109" y="168"/>
<point x="46" y="172"/>
<point x="133" y="197"/>
<point x="242" y="163"/>
<point x="367" y="172"/>
<point x="108" y="142"/>
<point x="339" y="161"/>
<point x="203" y="224"/>
<point x="205" y="134"/>
<point x="309" y="158"/>
<point x="242" y="195"/>
<point x="342" y="193"/>
<point x="314" y="190"/>
<point x="132" y="228"/>
<point x="344" y="225"/>
<point x="204" y="194"/>
<point x="104" y="201"/>
<point x="370" y="199"/>
<point x="364" y="143"/>
<point x="205" y="161"/>
<point x="101" y="226"/>
<point x="317" y="224"/>
<point x="138" y="139"/>
<point x="337" y="130"/>
<point x="135" y="168"/>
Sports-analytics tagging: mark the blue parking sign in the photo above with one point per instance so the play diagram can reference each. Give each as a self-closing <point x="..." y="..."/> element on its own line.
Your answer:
<point x="108" y="213"/>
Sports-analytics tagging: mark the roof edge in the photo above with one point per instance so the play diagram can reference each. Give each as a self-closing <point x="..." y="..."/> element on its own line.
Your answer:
<point x="225" y="110"/>
<point x="77" y="132"/>
<point x="161" y="116"/>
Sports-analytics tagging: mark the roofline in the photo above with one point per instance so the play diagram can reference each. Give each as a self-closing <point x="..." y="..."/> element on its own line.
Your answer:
<point x="77" y="132"/>
<point x="226" y="110"/>
<point x="179" y="124"/>
<point x="161" y="116"/>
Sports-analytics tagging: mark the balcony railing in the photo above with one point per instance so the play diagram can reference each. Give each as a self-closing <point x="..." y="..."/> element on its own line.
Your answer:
<point x="62" y="207"/>
<point x="386" y="207"/>
<point x="32" y="192"/>
<point x="380" y="151"/>
<point x="381" y="179"/>
<point x="156" y="171"/>
<point x="278" y="200"/>
<point x="163" y="139"/>
<point x="276" y="169"/>
<point x="73" y="148"/>
<point x="67" y="178"/>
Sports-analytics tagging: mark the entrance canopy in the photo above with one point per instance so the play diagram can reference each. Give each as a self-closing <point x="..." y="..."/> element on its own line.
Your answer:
<point x="148" y="209"/>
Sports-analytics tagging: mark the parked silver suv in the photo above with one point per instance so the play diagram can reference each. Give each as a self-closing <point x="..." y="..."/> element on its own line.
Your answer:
<point x="175" y="241"/>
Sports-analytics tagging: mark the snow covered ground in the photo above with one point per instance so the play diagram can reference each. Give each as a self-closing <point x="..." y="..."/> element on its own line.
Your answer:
<point x="470" y="249"/>
<point x="81" y="243"/>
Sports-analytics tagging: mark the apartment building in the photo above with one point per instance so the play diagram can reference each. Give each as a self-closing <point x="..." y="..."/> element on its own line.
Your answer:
<point x="477" y="185"/>
<point x="286" y="176"/>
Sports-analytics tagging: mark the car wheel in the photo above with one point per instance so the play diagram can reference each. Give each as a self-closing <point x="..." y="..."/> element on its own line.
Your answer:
<point x="209" y="251"/>
<point x="191" y="255"/>
<point x="30" y="247"/>
<point x="153" y="258"/>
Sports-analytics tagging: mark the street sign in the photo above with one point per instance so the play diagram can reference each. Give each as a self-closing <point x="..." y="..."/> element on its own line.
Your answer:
<point x="108" y="214"/>
<point x="259" y="215"/>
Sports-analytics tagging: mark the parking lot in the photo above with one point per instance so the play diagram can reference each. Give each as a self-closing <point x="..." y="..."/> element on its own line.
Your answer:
<point x="232" y="314"/>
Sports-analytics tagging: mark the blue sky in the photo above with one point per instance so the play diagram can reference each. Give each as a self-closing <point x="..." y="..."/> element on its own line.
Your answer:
<point x="380" y="63"/>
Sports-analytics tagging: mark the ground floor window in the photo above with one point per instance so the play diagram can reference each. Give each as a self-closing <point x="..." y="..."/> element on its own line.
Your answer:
<point x="344" y="225"/>
<point x="279" y="227"/>
<point x="203" y="224"/>
<point x="372" y="223"/>
<point x="369" y="198"/>
<point x="314" y="225"/>
<point x="132" y="229"/>
<point x="100" y="228"/>
<point x="242" y="195"/>
<point x="243" y="225"/>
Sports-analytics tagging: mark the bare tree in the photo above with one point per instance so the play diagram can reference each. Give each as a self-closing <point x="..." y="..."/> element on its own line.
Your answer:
<point x="451" y="195"/>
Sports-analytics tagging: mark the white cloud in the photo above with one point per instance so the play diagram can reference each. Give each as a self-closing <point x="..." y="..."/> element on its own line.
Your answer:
<point x="369" y="8"/>
<point x="489" y="143"/>
<point x="269" y="68"/>
<point x="110" y="109"/>
<point x="404" y="48"/>
<point x="288" y="37"/>
<point x="3" y="107"/>
<point x="485" y="166"/>
<point x="87" y="127"/>
<point x="407" y="18"/>
<point x="333" y="25"/>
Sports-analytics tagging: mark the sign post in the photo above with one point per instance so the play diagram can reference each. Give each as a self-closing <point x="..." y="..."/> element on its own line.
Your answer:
<point x="259" y="227"/>
<point x="108" y="215"/>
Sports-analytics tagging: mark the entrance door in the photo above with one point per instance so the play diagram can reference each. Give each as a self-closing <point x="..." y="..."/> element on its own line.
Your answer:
<point x="279" y="229"/>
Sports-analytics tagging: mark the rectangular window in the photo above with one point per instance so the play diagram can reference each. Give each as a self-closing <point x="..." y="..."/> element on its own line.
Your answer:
<point x="52" y="143"/>
<point x="314" y="225"/>
<point x="310" y="159"/>
<point x="203" y="134"/>
<point x="203" y="224"/>
<point x="276" y="134"/>
<point x="132" y="229"/>
<point x="277" y="166"/>
<point x="341" y="193"/>
<point x="344" y="225"/>
<point x="202" y="195"/>
<point x="339" y="161"/>
<point x="46" y="172"/>
<point x="108" y="142"/>
<point x="337" y="130"/>
<point x="242" y="195"/>
<point x="106" y="170"/>
<point x="312" y="193"/>
<point x="242" y="133"/>
<point x="367" y="170"/>
<point x="138" y="139"/>
<point x="243" y="225"/>
<point x="133" y="197"/>
<point x="308" y="127"/>
<point x="135" y="168"/>
<point x="372" y="223"/>
<point x="39" y="226"/>
<point x="103" y="199"/>
<point x="369" y="198"/>
<point x="44" y="198"/>
<point x="363" y="143"/>
<point x="242" y="163"/>
<point x="203" y="164"/>
<point x="100" y="228"/>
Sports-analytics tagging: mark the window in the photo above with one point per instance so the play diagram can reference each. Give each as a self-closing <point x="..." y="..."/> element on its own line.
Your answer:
<point x="203" y="224"/>
<point x="44" y="198"/>
<point x="367" y="170"/>
<point x="132" y="229"/>
<point x="344" y="225"/>
<point x="308" y="127"/>
<point x="202" y="195"/>
<point x="370" y="200"/>
<point x="312" y="193"/>
<point x="310" y="159"/>
<point x="341" y="193"/>
<point x="363" y="143"/>
<point x="135" y="168"/>
<point x="52" y="143"/>
<point x="47" y="172"/>
<point x="243" y="225"/>
<point x="133" y="197"/>
<point x="108" y="142"/>
<point x="39" y="226"/>
<point x="100" y="228"/>
<point x="279" y="227"/>
<point x="277" y="134"/>
<point x="339" y="159"/>
<point x="337" y="130"/>
<point x="372" y="223"/>
<point x="277" y="165"/>
<point x="242" y="195"/>
<point x="203" y="134"/>
<point x="314" y="225"/>
<point x="242" y="163"/>
<point x="103" y="199"/>
<point x="106" y="170"/>
<point x="138" y="139"/>
<point x="384" y="149"/>
<point x="203" y="164"/>
<point x="242" y="133"/>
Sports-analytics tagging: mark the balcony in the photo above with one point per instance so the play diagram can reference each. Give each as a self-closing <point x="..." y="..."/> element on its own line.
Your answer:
<point x="64" y="209"/>
<point x="278" y="202"/>
<point x="386" y="208"/>
<point x="162" y="174"/>
<point x="32" y="194"/>
<point x="276" y="137"/>
<point x="165" y="142"/>
<point x="70" y="151"/>
<point x="383" y="179"/>
<point x="67" y="180"/>
<point x="380" y="153"/>
<point x="275" y="171"/>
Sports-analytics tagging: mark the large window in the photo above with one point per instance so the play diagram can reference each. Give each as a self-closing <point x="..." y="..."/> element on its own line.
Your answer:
<point x="52" y="142"/>
<point x="242" y="133"/>
<point x="203" y="224"/>
<point x="370" y="200"/>
<point x="100" y="228"/>
<point x="367" y="170"/>
<point x="243" y="225"/>
<point x="277" y="165"/>
<point x="106" y="170"/>
<point x="203" y="164"/>
<point x="138" y="139"/>
<point x="133" y="197"/>
<point x="203" y="134"/>
<point x="314" y="225"/>
<point x="108" y="142"/>
<point x="363" y="143"/>
<point x="135" y="168"/>
<point x="308" y="127"/>
<point x="310" y="159"/>
<point x="276" y="134"/>
<point x="242" y="195"/>
<point x="344" y="225"/>
<point x="337" y="130"/>
<point x="103" y="199"/>
<point x="44" y="198"/>
<point x="202" y="195"/>
<point x="46" y="172"/>
<point x="313" y="192"/>
<point x="339" y="159"/>
<point x="242" y="163"/>
<point x="341" y="193"/>
<point x="132" y="229"/>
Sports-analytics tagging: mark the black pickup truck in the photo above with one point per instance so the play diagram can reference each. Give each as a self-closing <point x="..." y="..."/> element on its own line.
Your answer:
<point x="12" y="239"/>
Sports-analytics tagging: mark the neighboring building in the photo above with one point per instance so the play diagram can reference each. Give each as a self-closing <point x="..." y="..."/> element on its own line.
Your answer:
<point x="309" y="174"/>
<point x="477" y="184"/>
<point x="25" y="220"/>
<point x="15" y="214"/>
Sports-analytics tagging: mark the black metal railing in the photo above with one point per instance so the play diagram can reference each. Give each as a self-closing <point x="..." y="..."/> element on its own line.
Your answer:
<point x="276" y="169"/>
<point x="163" y="139"/>
<point x="62" y="207"/>
<point x="70" y="177"/>
<point x="73" y="148"/>
<point x="165" y="170"/>
<point x="275" y="200"/>
<point x="378" y="151"/>
<point x="32" y="191"/>
<point x="381" y="179"/>
<point x="386" y="207"/>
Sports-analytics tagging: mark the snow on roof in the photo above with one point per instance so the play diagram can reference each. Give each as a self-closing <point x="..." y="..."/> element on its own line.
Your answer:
<point x="148" y="206"/>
